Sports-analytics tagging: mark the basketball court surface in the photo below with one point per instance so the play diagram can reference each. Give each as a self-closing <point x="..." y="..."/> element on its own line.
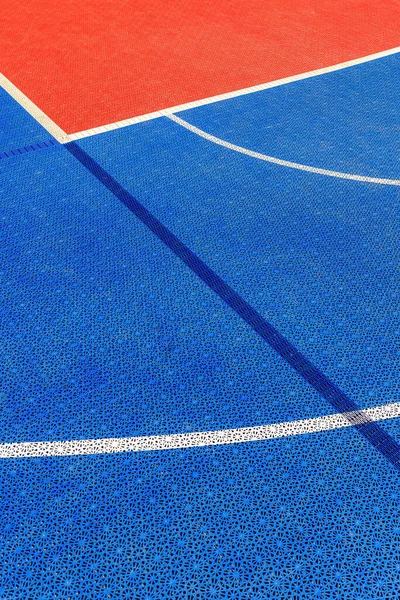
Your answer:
<point x="199" y="317"/>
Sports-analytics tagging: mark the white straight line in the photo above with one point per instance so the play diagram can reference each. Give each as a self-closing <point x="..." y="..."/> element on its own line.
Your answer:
<point x="111" y="126"/>
<point x="250" y="90"/>
<point x="197" y="439"/>
<point x="33" y="110"/>
<point x="279" y="161"/>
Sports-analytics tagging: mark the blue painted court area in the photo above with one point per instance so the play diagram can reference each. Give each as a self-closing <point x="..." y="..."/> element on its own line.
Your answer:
<point x="106" y="333"/>
<point x="312" y="516"/>
<point x="346" y="120"/>
<point x="316" y="255"/>
<point x="17" y="128"/>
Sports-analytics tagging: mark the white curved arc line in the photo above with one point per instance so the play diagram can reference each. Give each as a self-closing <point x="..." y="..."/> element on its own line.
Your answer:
<point x="279" y="161"/>
<point x="198" y="439"/>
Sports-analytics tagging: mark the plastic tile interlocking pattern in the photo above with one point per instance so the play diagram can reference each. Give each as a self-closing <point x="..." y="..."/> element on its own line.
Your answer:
<point x="306" y="517"/>
<point x="160" y="292"/>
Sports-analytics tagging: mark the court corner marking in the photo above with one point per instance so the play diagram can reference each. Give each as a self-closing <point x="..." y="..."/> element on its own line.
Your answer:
<point x="228" y="95"/>
<point x="61" y="136"/>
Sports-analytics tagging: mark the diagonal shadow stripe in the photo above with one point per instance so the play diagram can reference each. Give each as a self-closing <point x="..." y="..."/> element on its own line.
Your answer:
<point x="377" y="436"/>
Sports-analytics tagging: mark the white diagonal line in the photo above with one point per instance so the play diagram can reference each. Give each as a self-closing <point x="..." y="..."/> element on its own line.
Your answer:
<point x="250" y="90"/>
<point x="34" y="110"/>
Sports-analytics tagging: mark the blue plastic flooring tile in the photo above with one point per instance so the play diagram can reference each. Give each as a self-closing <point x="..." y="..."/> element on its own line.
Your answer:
<point x="17" y="128"/>
<point x="104" y="332"/>
<point x="346" y="120"/>
<point x="317" y="256"/>
<point x="313" y="516"/>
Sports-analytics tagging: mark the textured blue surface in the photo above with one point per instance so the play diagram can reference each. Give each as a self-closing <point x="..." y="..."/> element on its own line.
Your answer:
<point x="317" y="256"/>
<point x="301" y="518"/>
<point x="106" y="333"/>
<point x="338" y="121"/>
<point x="378" y="437"/>
<point x="17" y="127"/>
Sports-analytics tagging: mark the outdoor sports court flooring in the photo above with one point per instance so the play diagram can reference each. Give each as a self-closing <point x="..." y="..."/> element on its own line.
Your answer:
<point x="200" y="327"/>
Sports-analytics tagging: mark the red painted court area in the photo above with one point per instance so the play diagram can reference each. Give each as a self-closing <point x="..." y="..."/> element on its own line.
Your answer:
<point x="90" y="63"/>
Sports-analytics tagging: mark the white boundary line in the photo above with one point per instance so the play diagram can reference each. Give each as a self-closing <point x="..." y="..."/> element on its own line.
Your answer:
<point x="197" y="439"/>
<point x="250" y="90"/>
<point x="63" y="137"/>
<point x="33" y="110"/>
<point x="279" y="161"/>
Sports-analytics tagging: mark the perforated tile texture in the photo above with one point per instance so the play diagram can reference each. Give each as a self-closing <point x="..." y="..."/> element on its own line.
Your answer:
<point x="106" y="333"/>
<point x="315" y="255"/>
<point x="312" y="516"/>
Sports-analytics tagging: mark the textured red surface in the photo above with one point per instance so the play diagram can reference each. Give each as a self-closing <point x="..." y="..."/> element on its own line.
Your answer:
<point x="94" y="62"/>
